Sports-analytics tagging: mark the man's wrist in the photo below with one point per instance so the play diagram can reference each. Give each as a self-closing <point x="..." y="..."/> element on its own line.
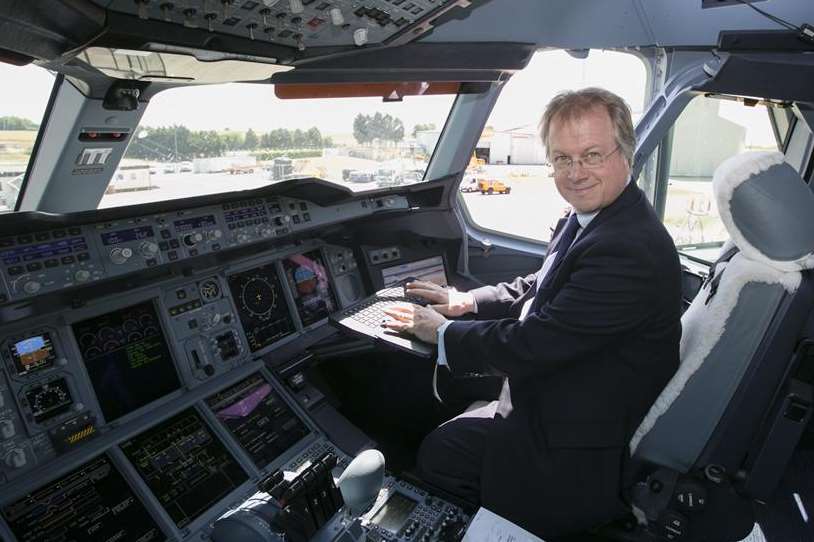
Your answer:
<point x="464" y="300"/>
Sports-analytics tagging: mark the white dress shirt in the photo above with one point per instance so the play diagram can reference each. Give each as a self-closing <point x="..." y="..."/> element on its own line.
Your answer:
<point x="584" y="219"/>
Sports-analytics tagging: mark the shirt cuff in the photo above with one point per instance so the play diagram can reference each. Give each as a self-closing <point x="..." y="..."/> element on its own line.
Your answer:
<point x="442" y="353"/>
<point x="459" y="298"/>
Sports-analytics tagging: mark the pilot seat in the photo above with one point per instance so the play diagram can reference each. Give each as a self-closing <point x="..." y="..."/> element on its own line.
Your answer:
<point x="719" y="437"/>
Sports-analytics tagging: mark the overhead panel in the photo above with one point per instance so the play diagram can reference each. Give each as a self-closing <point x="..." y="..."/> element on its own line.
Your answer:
<point x="297" y="23"/>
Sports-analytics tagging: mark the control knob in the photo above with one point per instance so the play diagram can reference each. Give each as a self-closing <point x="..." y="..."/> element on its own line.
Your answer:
<point x="82" y="275"/>
<point x="16" y="458"/>
<point x="148" y="249"/>
<point x="32" y="287"/>
<point x="214" y="235"/>
<point x="265" y="231"/>
<point x="192" y="239"/>
<point x="120" y="255"/>
<point x="7" y="430"/>
<point x="242" y="237"/>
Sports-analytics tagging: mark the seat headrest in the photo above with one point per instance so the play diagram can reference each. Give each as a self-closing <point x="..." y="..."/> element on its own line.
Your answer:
<point x="767" y="209"/>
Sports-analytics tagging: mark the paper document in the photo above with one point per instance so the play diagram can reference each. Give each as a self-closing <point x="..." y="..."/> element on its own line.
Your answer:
<point x="487" y="526"/>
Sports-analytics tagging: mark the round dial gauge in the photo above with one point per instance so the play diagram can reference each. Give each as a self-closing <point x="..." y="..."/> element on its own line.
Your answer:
<point x="259" y="297"/>
<point x="49" y="399"/>
<point x="210" y="290"/>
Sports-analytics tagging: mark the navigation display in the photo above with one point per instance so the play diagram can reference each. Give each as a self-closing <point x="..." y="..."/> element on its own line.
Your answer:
<point x="33" y="354"/>
<point x="261" y="306"/>
<point x="263" y="424"/>
<point x="92" y="502"/>
<point x="127" y="358"/>
<point x="184" y="465"/>
<point x="310" y="286"/>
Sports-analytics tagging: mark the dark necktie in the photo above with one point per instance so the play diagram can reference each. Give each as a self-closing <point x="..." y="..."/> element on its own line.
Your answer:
<point x="569" y="232"/>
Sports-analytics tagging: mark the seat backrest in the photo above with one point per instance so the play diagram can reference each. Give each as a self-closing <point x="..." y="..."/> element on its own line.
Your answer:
<point x="740" y="330"/>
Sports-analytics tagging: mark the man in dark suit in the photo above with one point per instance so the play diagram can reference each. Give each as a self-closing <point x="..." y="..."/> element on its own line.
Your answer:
<point x="587" y="343"/>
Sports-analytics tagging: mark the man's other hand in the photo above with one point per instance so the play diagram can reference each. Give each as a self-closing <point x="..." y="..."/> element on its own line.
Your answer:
<point x="423" y="322"/>
<point x="446" y="301"/>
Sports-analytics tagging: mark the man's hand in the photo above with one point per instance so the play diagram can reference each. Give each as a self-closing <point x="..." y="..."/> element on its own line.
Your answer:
<point x="446" y="301"/>
<point x="423" y="322"/>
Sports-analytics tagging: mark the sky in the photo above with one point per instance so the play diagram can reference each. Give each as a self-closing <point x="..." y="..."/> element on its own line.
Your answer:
<point x="24" y="92"/>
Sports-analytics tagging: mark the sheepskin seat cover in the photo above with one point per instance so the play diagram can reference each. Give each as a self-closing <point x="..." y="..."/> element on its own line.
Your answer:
<point x="768" y="212"/>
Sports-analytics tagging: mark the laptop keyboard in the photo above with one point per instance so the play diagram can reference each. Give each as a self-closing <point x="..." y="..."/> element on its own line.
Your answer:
<point x="371" y="311"/>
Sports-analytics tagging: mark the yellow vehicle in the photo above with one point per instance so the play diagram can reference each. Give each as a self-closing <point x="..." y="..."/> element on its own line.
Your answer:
<point x="490" y="186"/>
<point x="476" y="164"/>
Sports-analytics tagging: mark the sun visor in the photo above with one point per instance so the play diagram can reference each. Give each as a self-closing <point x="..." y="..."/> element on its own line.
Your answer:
<point x="471" y="62"/>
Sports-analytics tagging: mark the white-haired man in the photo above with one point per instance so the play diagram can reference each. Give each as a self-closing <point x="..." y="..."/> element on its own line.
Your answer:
<point x="587" y="343"/>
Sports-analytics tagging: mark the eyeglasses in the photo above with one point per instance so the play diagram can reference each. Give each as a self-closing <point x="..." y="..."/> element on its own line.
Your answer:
<point x="588" y="160"/>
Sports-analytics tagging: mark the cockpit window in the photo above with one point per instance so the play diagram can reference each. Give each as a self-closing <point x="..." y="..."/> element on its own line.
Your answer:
<point x="24" y="96"/>
<point x="221" y="138"/>
<point x="709" y="131"/>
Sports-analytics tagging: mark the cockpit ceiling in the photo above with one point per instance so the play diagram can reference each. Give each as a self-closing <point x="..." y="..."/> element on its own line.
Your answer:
<point x="299" y="24"/>
<point x="594" y="24"/>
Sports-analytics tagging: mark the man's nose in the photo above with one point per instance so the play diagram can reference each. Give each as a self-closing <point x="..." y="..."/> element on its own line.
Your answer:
<point x="576" y="170"/>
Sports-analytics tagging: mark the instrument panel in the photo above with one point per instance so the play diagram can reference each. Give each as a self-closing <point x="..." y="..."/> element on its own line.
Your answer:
<point x="150" y="411"/>
<point x="34" y="264"/>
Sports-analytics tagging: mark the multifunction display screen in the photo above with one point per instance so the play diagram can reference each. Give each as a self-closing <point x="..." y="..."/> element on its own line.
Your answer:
<point x="92" y="502"/>
<point x="30" y="253"/>
<point x="394" y="513"/>
<point x="123" y="236"/>
<point x="263" y="311"/>
<point x="429" y="269"/>
<point x="127" y="358"/>
<point x="310" y="286"/>
<point x="263" y="424"/>
<point x="32" y="354"/>
<point x="184" y="465"/>
<point x="195" y="223"/>
<point x="49" y="399"/>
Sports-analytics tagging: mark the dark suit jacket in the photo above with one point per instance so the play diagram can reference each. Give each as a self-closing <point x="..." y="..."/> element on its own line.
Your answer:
<point x="584" y="366"/>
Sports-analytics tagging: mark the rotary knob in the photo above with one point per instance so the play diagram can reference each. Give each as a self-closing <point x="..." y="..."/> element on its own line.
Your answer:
<point x="120" y="255"/>
<point x="192" y="239"/>
<point x="265" y="232"/>
<point x="148" y="249"/>
<point x="16" y="458"/>
<point x="242" y="237"/>
<point x="7" y="430"/>
<point x="214" y="235"/>
<point x="82" y="275"/>
<point x="32" y="287"/>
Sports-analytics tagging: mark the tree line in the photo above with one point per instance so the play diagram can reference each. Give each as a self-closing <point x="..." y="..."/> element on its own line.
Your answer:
<point x="17" y="123"/>
<point x="370" y="128"/>
<point x="180" y="143"/>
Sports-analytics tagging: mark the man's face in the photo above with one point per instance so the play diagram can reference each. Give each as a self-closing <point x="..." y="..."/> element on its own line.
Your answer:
<point x="588" y="189"/>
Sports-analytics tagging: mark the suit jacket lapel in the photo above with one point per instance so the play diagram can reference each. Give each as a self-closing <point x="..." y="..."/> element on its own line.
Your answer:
<point x="629" y="196"/>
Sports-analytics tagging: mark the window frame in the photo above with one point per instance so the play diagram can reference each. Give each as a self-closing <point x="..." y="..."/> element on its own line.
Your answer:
<point x="46" y="116"/>
<point x="664" y="157"/>
<point x="486" y="235"/>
